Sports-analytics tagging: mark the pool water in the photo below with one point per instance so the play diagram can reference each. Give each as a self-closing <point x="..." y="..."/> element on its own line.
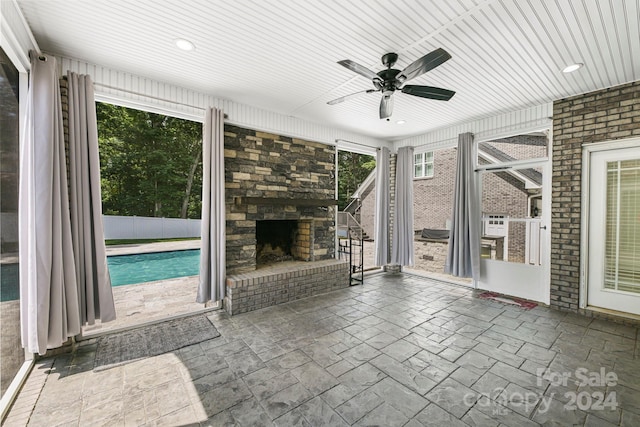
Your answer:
<point x="140" y="268"/>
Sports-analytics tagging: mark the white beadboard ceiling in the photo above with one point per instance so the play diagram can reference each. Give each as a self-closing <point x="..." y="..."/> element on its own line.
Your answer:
<point x="280" y="55"/>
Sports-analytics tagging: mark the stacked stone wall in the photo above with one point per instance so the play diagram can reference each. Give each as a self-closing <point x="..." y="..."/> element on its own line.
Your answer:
<point x="263" y="172"/>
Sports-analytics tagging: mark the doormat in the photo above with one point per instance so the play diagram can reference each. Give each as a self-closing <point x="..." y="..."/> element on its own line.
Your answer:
<point x="527" y="305"/>
<point x="148" y="341"/>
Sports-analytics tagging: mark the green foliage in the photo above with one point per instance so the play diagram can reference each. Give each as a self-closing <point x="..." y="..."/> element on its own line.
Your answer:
<point x="353" y="168"/>
<point x="146" y="163"/>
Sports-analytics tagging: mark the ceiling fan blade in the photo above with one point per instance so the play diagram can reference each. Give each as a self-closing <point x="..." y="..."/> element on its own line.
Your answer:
<point x="360" y="69"/>
<point x="386" y="106"/>
<point x="420" y="66"/>
<point x="344" y="98"/>
<point x="428" y="92"/>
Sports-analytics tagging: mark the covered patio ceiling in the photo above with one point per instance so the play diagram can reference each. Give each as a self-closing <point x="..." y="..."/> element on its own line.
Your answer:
<point x="282" y="55"/>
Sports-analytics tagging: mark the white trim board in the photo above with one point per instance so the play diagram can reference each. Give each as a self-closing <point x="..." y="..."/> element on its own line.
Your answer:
<point x="499" y="126"/>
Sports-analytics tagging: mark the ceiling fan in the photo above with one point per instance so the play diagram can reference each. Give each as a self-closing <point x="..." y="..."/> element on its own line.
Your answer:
<point x="389" y="80"/>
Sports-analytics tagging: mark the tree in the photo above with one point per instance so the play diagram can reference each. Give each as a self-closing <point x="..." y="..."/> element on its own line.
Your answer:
<point x="353" y="169"/>
<point x="150" y="164"/>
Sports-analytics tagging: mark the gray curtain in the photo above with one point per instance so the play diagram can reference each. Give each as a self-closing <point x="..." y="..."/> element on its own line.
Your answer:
<point x="49" y="311"/>
<point x="92" y="274"/>
<point x="402" y="242"/>
<point x="463" y="259"/>
<point x="212" y="257"/>
<point x="381" y="236"/>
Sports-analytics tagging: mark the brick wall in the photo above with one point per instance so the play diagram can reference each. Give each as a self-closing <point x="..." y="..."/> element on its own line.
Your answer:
<point x="433" y="199"/>
<point x="520" y="147"/>
<point x="283" y="283"/>
<point x="368" y="210"/>
<point x="275" y="167"/>
<point x="502" y="193"/>
<point x="604" y="115"/>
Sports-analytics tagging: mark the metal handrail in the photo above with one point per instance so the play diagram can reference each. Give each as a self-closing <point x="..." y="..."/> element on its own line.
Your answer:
<point x="355" y="201"/>
<point x="345" y="219"/>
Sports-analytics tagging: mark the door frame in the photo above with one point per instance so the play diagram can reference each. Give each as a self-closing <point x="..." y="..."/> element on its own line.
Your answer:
<point x="587" y="149"/>
<point x="20" y="60"/>
<point x="510" y="269"/>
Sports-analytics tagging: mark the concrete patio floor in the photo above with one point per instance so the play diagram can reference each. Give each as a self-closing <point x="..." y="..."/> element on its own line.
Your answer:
<point x="153" y="301"/>
<point x="399" y="350"/>
<point x="150" y="302"/>
<point x="142" y="303"/>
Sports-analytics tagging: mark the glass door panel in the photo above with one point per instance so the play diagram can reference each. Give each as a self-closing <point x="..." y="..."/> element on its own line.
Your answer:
<point x="12" y="355"/>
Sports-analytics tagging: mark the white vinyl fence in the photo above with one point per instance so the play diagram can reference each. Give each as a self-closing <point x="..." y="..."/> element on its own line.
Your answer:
<point x="9" y="227"/>
<point x="139" y="227"/>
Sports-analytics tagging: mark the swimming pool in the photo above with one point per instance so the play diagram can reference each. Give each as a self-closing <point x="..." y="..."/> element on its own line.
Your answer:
<point x="140" y="268"/>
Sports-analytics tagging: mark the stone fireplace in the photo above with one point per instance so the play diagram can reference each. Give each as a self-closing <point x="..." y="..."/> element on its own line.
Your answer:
<point x="280" y="213"/>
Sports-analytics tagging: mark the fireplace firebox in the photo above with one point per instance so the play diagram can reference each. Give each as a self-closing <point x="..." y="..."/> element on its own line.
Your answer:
<point x="283" y="240"/>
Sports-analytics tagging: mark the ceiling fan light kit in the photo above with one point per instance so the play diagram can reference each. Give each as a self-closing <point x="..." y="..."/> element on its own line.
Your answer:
<point x="390" y="79"/>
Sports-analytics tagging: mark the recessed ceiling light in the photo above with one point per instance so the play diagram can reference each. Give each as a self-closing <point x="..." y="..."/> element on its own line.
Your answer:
<point x="573" y="67"/>
<point x="184" y="44"/>
<point x="401" y="122"/>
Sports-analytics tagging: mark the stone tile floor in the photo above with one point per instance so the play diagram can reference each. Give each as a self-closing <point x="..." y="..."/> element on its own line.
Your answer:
<point x="150" y="302"/>
<point x="400" y="350"/>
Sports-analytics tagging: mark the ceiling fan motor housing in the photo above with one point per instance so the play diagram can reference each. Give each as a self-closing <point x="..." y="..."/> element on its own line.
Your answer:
<point x="388" y="77"/>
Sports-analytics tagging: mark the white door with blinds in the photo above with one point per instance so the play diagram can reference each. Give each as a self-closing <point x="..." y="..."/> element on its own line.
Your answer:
<point x="614" y="230"/>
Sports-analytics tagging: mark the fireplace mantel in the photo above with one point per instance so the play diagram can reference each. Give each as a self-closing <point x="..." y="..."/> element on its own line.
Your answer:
<point x="281" y="201"/>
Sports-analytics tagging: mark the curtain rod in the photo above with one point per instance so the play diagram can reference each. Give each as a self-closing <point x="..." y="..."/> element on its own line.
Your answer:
<point x="355" y="143"/>
<point x="37" y="54"/>
<point x="152" y="97"/>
